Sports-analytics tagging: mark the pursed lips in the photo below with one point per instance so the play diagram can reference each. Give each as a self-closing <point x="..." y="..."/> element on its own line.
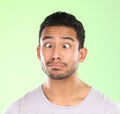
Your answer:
<point x="56" y="65"/>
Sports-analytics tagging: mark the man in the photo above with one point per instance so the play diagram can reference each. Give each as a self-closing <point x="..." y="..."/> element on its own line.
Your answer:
<point x="61" y="49"/>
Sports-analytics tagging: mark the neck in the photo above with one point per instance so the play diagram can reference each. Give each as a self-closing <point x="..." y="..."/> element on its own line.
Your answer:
<point x="59" y="91"/>
<point x="67" y="85"/>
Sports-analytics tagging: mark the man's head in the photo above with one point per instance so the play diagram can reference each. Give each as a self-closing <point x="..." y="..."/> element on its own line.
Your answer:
<point x="61" y="45"/>
<point x="64" y="19"/>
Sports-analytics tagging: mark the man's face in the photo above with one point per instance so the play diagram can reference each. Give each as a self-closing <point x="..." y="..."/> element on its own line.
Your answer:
<point x="58" y="52"/>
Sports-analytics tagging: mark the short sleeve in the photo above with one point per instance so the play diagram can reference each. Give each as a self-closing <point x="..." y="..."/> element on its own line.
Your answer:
<point x="112" y="107"/>
<point x="13" y="108"/>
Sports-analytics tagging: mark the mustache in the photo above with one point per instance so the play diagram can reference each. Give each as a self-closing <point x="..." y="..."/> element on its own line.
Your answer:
<point x="56" y="62"/>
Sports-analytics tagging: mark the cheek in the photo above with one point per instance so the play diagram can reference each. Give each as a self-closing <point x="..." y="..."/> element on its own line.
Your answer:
<point x="71" y="59"/>
<point x="74" y="55"/>
<point x="45" y="56"/>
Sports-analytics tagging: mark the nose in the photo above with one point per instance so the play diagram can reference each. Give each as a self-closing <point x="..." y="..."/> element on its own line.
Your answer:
<point x="56" y="55"/>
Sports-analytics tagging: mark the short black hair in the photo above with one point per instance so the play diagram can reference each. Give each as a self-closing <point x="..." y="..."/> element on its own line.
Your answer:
<point x="64" y="19"/>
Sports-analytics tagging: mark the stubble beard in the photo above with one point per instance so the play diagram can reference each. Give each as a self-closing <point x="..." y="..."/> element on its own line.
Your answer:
<point x="57" y="74"/>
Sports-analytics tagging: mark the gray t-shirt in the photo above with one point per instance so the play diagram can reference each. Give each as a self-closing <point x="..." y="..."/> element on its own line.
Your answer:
<point x="35" y="102"/>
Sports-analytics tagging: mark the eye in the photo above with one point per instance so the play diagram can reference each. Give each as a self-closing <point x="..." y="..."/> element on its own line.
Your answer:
<point x="66" y="46"/>
<point x="48" y="45"/>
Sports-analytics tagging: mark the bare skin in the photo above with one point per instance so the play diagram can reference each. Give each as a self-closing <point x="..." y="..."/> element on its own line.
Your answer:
<point x="59" y="56"/>
<point x="67" y="94"/>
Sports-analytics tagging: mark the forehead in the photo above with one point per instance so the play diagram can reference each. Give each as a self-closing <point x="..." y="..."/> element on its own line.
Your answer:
<point x="59" y="32"/>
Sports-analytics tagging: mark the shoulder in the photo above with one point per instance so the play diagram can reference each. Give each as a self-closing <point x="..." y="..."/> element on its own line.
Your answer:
<point x="109" y="106"/>
<point x="15" y="107"/>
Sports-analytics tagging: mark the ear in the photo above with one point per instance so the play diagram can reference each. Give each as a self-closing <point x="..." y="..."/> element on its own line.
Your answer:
<point x="38" y="52"/>
<point x="83" y="53"/>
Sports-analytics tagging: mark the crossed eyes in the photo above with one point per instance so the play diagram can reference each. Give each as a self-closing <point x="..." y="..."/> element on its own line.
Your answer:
<point x="50" y="45"/>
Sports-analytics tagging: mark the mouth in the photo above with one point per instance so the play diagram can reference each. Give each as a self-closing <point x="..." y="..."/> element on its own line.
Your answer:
<point x="57" y="65"/>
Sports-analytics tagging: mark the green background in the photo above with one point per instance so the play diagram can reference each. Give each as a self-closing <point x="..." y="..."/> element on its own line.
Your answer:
<point x="20" y="69"/>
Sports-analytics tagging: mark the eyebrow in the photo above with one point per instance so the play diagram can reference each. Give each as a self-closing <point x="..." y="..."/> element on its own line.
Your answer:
<point x="46" y="37"/>
<point x="50" y="37"/>
<point x="69" y="38"/>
